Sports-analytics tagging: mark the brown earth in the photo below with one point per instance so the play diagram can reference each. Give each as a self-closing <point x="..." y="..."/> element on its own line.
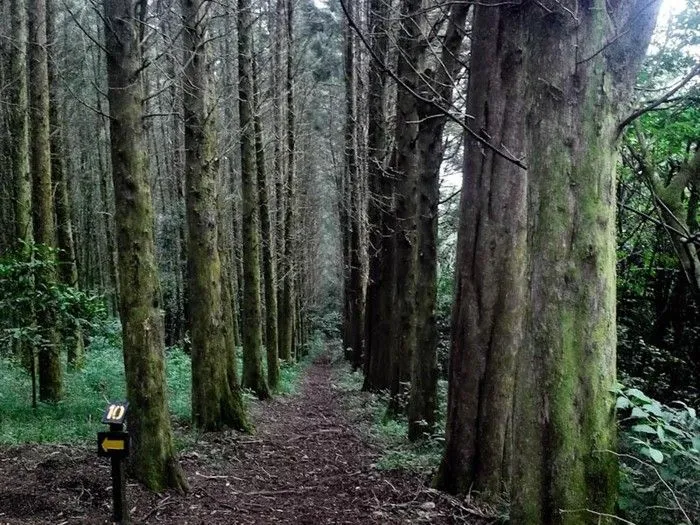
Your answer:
<point x="305" y="464"/>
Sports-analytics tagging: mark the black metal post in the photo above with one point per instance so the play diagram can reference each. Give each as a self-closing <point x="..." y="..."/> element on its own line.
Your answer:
<point x="121" y="512"/>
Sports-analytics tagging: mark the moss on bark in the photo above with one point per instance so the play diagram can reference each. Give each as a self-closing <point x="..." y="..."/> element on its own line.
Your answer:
<point x="152" y="460"/>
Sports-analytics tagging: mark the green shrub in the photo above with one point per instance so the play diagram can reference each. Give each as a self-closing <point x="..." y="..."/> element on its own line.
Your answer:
<point x="23" y="295"/>
<point x="659" y="460"/>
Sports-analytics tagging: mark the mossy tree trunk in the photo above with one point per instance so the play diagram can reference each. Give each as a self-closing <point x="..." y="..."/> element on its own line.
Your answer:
<point x="214" y="403"/>
<point x="67" y="269"/>
<point x="268" y="251"/>
<point x="152" y="460"/>
<point x="17" y="98"/>
<point x="253" y="375"/>
<point x="412" y="46"/>
<point x="533" y="340"/>
<point x="673" y="211"/>
<point x="380" y="284"/>
<point x="286" y="317"/>
<point x="18" y="143"/>
<point x="50" y="371"/>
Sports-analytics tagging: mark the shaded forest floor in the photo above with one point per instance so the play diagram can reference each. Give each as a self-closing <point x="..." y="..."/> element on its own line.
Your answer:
<point x="306" y="463"/>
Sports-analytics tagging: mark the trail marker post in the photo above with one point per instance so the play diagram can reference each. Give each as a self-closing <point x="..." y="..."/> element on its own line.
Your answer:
<point x="114" y="444"/>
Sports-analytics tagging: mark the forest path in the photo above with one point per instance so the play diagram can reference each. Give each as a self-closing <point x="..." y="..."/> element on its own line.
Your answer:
<point x="305" y="464"/>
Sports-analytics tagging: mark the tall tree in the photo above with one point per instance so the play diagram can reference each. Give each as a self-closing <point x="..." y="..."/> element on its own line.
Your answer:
<point x="268" y="246"/>
<point x="354" y="302"/>
<point x="67" y="269"/>
<point x="215" y="403"/>
<point x="50" y="371"/>
<point x="406" y="163"/>
<point x="381" y="282"/>
<point x="17" y="122"/>
<point x="533" y="338"/>
<point x="153" y="460"/>
<point x="253" y="376"/>
<point x="440" y="83"/>
<point x="286" y="317"/>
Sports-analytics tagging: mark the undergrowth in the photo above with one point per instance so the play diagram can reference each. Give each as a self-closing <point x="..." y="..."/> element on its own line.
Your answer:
<point x="76" y="418"/>
<point x="87" y="391"/>
<point x="390" y="434"/>
<point x="659" y="448"/>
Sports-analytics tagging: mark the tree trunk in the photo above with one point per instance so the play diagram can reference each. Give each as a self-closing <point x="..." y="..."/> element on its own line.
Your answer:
<point x="17" y="121"/>
<point x="50" y="371"/>
<point x="268" y="252"/>
<point x="412" y="44"/>
<point x="379" y="285"/>
<point x="286" y="319"/>
<point x="67" y="269"/>
<point x="354" y="287"/>
<point x="422" y="402"/>
<point x="278" y="162"/>
<point x="533" y="340"/>
<point x="253" y="376"/>
<point x="214" y="403"/>
<point x="152" y="458"/>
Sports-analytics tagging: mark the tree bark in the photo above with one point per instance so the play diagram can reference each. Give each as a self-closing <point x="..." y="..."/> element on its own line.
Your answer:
<point x="412" y="44"/>
<point x="380" y="288"/>
<point x="253" y="376"/>
<point x="152" y="460"/>
<point x="67" y="269"/>
<point x="533" y="339"/>
<point x="422" y="402"/>
<point x="268" y="252"/>
<point x="286" y="319"/>
<point x="354" y="287"/>
<point x="50" y="371"/>
<point x="214" y="403"/>
<point x="18" y="123"/>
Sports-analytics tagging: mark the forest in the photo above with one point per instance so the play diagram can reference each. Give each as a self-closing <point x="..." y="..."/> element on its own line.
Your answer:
<point x="351" y="261"/>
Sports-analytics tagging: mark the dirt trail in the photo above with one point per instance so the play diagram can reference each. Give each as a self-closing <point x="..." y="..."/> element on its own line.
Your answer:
<point x="305" y="464"/>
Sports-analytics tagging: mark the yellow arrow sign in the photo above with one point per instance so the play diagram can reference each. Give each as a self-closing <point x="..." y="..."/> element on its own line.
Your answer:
<point x="112" y="444"/>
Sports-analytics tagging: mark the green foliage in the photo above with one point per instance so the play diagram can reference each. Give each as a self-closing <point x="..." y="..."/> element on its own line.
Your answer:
<point x="291" y="373"/>
<point x="76" y="418"/>
<point x="660" y="459"/>
<point x="369" y="409"/>
<point x="22" y="294"/>
<point x="178" y="370"/>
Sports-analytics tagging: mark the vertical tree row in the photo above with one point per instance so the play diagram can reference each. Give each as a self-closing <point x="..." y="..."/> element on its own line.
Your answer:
<point x="397" y="345"/>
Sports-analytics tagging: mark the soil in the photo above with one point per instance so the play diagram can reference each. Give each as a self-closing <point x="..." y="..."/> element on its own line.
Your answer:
<point x="306" y="463"/>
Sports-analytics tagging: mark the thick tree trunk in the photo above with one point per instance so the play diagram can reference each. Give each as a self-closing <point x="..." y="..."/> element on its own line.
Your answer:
<point x="379" y="285"/>
<point x="422" y="402"/>
<point x="152" y="458"/>
<point x="533" y="341"/>
<point x="50" y="371"/>
<point x="253" y="375"/>
<point x="412" y="44"/>
<point x="214" y="403"/>
<point x="268" y="252"/>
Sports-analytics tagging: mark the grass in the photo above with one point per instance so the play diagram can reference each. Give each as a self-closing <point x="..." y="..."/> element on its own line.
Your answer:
<point x="77" y="417"/>
<point x="370" y="410"/>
